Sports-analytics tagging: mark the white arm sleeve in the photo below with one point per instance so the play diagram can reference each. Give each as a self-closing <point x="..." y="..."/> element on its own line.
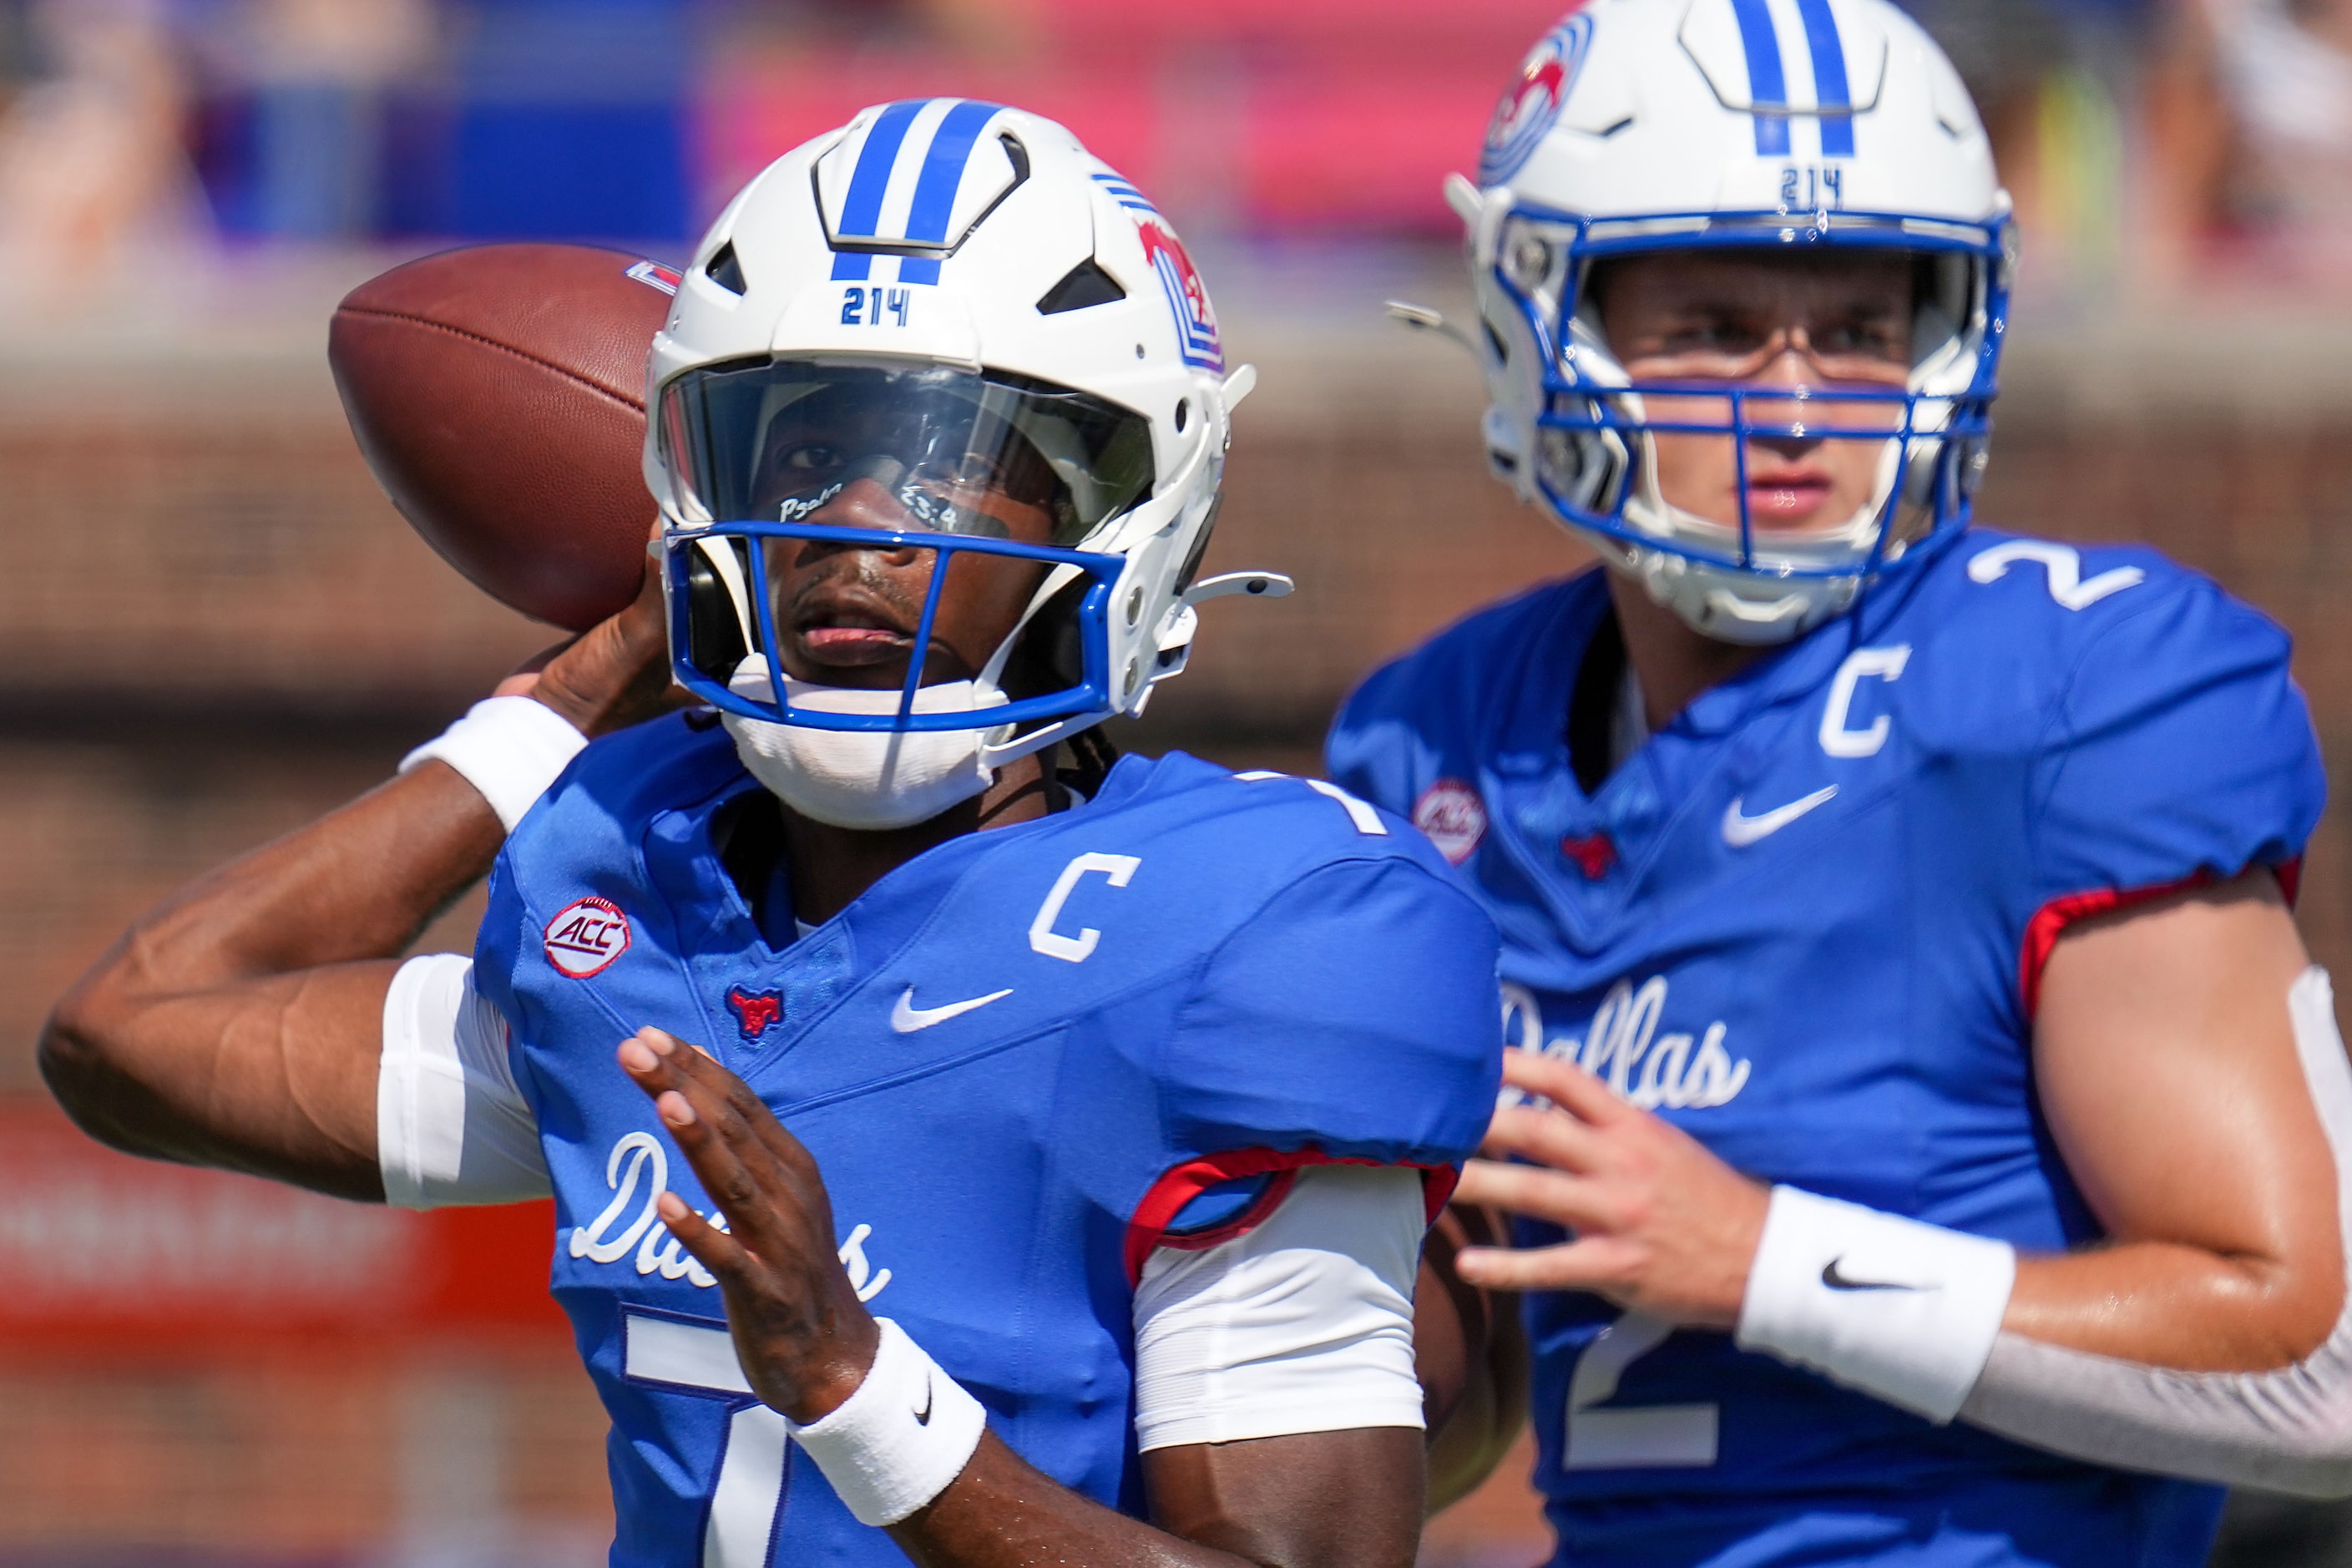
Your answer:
<point x="451" y="1126"/>
<point x="1302" y="1324"/>
<point x="2289" y="1430"/>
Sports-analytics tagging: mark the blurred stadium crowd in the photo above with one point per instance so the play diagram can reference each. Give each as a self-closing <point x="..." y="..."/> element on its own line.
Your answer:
<point x="214" y="627"/>
<point x="2151" y="143"/>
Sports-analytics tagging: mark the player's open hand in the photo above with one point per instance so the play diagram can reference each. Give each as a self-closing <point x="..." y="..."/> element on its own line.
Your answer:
<point x="613" y="675"/>
<point x="804" y="1337"/>
<point x="1661" y="1224"/>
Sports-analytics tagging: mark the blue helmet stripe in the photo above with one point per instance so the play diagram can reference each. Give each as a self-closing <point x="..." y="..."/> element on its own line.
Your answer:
<point x="861" y="213"/>
<point x="1830" y="89"/>
<point x="1768" y="88"/>
<point x="1126" y="194"/>
<point x="934" y="190"/>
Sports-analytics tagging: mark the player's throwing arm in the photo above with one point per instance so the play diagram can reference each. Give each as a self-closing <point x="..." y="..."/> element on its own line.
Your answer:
<point x="1014" y="1152"/>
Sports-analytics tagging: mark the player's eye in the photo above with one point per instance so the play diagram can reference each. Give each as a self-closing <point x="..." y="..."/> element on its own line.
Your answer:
<point x="1868" y="337"/>
<point x="1713" y="335"/>
<point x="812" y="458"/>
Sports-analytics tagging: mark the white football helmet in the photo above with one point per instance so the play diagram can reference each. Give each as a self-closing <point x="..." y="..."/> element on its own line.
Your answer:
<point x="1769" y="125"/>
<point x="940" y="286"/>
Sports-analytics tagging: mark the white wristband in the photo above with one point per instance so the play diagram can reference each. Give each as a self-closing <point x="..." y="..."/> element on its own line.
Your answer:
<point x="1899" y="1310"/>
<point x="896" y="1444"/>
<point x="510" y="748"/>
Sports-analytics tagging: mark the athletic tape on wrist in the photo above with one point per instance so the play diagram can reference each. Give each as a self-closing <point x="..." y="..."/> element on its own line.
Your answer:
<point x="896" y="1444"/>
<point x="1906" y="1311"/>
<point x="510" y="748"/>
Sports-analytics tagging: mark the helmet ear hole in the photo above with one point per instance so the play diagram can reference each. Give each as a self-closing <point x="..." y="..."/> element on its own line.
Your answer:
<point x="720" y="625"/>
<point x="1941" y="303"/>
<point x="1191" y="567"/>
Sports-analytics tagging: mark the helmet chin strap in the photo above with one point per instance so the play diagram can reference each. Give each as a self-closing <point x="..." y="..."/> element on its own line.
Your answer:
<point x="867" y="780"/>
<point x="1724" y="603"/>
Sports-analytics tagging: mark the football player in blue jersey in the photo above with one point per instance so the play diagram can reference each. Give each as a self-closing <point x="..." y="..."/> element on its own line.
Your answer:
<point x="1060" y="1145"/>
<point x="1931" y="1134"/>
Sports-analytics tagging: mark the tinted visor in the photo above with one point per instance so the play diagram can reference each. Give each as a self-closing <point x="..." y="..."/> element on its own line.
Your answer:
<point x="931" y="448"/>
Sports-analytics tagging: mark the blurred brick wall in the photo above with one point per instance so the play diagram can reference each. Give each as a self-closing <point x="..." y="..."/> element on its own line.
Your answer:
<point x="456" y="1459"/>
<point x="213" y="627"/>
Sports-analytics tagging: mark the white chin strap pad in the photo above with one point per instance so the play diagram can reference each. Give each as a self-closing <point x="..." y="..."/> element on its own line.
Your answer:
<point x="867" y="779"/>
<point x="2288" y="1430"/>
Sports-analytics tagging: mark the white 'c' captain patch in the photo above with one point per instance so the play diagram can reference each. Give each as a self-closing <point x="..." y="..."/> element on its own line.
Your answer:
<point x="1454" y="817"/>
<point x="585" y="936"/>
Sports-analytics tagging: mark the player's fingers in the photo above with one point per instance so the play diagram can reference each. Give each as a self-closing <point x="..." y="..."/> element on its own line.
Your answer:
<point x="1563" y="1083"/>
<point x="721" y="1099"/>
<point x="1581" y="1265"/>
<point x="1576" y="1202"/>
<point x="748" y="1110"/>
<point x="714" y="1248"/>
<point x="520" y="680"/>
<point x="1548" y="1137"/>
<point x="733" y="1166"/>
<point x="751" y="1110"/>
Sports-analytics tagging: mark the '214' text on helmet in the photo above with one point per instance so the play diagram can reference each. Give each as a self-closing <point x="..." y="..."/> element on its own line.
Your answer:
<point x="1644" y="126"/>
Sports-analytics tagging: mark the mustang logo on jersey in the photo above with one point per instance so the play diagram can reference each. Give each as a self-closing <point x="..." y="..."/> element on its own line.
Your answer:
<point x="755" y="1010"/>
<point x="1622" y="1048"/>
<point x="639" y="1161"/>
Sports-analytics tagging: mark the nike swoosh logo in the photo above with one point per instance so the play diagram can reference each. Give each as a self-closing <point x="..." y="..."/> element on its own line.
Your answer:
<point x="923" y="1417"/>
<point x="906" y="1017"/>
<point x="1837" y="1281"/>
<point x="1740" y="831"/>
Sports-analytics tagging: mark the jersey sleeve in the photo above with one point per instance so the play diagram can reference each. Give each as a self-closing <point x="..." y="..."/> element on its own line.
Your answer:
<point x="1303" y="1322"/>
<point x="1353" y="1018"/>
<point x="2179" y="750"/>
<point x="452" y="1126"/>
<point x="2180" y="747"/>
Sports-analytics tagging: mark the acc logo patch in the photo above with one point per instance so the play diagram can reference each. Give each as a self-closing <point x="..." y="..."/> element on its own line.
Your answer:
<point x="1531" y="103"/>
<point x="1454" y="817"/>
<point x="585" y="936"/>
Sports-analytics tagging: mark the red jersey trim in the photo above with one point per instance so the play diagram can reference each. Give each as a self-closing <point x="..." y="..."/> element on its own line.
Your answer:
<point x="2051" y="921"/>
<point x="1181" y="1184"/>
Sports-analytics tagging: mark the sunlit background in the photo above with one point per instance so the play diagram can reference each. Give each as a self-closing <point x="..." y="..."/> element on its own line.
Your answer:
<point x="212" y="625"/>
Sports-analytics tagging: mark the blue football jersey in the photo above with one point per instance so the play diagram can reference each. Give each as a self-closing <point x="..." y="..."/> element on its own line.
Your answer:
<point x="1805" y="923"/>
<point x="1018" y="1060"/>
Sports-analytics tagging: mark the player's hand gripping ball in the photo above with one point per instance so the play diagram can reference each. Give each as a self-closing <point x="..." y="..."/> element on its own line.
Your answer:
<point x="498" y="392"/>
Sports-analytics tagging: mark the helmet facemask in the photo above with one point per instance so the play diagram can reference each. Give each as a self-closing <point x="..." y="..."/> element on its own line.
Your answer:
<point x="783" y="460"/>
<point x="1594" y="461"/>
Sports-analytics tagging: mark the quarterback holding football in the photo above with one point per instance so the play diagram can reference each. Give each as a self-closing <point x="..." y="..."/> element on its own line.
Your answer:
<point x="1929" y="1133"/>
<point x="1001" y="1163"/>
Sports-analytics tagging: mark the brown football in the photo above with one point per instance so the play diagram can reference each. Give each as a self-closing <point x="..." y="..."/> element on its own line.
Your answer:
<point x="498" y="392"/>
